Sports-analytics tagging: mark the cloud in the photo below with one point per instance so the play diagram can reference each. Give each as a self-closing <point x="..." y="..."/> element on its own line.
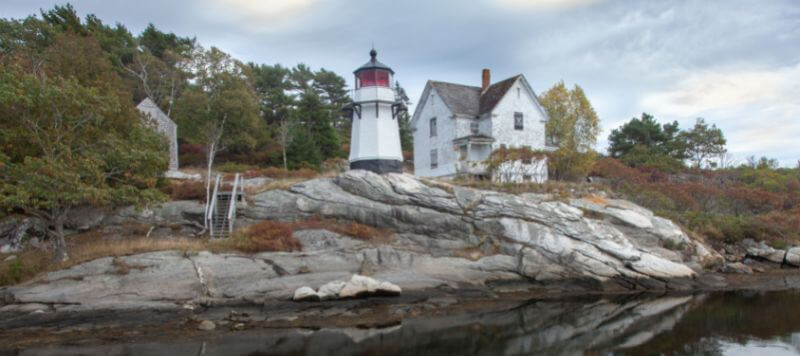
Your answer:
<point x="713" y="90"/>
<point x="543" y="4"/>
<point x="757" y="109"/>
<point x="258" y="15"/>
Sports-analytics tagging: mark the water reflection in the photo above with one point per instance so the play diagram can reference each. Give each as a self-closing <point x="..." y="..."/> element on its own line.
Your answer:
<point x="717" y="324"/>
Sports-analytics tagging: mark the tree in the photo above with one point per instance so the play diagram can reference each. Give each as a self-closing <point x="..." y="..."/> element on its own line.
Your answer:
<point x="657" y="139"/>
<point x="573" y="126"/>
<point x="313" y="116"/>
<point x="703" y="142"/>
<point x="404" y="119"/>
<point x="88" y="148"/>
<point x="272" y="86"/>
<point x="220" y="109"/>
<point x="160" y="65"/>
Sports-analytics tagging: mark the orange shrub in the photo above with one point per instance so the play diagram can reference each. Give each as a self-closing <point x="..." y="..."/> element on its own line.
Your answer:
<point x="267" y="236"/>
<point x="352" y="229"/>
<point x="613" y="169"/>
<point x="185" y="190"/>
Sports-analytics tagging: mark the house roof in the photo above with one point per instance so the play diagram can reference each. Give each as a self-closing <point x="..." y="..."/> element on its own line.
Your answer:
<point x="470" y="101"/>
<point x="479" y="138"/>
<point x="147" y="106"/>
<point x="494" y="93"/>
<point x="460" y="99"/>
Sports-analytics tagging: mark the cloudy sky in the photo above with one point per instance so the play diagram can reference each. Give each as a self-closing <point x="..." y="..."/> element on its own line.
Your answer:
<point x="734" y="62"/>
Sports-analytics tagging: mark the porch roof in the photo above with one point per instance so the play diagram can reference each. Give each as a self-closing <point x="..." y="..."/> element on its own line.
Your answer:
<point x="474" y="139"/>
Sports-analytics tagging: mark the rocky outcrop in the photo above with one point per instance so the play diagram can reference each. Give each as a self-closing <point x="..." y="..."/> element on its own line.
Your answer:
<point x="531" y="237"/>
<point x="17" y="230"/>
<point x="761" y="251"/>
<point x="445" y="236"/>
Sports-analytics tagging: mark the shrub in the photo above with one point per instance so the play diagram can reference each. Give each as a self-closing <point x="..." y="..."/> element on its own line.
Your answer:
<point x="233" y="167"/>
<point x="185" y="190"/>
<point x="351" y="229"/>
<point x="615" y="170"/>
<point x="191" y="155"/>
<point x="641" y="157"/>
<point x="266" y="236"/>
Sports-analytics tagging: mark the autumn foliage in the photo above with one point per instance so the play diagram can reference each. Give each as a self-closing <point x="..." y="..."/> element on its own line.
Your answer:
<point x="725" y="205"/>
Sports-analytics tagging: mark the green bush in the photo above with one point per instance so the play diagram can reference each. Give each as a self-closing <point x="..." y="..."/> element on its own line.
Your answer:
<point x="641" y="157"/>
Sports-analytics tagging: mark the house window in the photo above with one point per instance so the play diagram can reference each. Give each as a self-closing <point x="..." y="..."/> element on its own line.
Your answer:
<point x="434" y="158"/>
<point x="433" y="127"/>
<point x="517" y="121"/>
<point x="518" y="93"/>
<point x="473" y="127"/>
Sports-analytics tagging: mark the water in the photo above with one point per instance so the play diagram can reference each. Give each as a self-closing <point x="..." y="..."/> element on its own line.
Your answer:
<point x="715" y="324"/>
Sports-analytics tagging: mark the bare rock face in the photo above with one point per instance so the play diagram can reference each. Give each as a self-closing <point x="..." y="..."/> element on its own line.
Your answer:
<point x="16" y="230"/>
<point x="444" y="236"/>
<point x="535" y="237"/>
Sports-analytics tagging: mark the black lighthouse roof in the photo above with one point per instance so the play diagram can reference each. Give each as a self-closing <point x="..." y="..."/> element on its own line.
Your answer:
<point x="373" y="63"/>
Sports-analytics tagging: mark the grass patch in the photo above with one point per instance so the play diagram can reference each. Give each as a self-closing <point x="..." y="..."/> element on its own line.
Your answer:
<point x="87" y="247"/>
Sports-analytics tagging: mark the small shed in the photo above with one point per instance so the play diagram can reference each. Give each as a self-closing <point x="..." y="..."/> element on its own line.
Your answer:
<point x="158" y="120"/>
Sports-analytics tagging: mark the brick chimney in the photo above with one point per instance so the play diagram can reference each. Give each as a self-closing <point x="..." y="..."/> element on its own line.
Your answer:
<point x="486" y="79"/>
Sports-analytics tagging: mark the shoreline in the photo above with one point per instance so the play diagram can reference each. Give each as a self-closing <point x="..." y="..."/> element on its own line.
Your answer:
<point x="114" y="325"/>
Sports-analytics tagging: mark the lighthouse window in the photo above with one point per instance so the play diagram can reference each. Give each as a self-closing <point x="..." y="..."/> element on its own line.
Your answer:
<point x="372" y="77"/>
<point x="433" y="127"/>
<point x="434" y="158"/>
<point x="517" y="121"/>
<point x="382" y="78"/>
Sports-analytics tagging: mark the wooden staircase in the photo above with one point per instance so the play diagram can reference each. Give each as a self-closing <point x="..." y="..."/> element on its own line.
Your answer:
<point x="221" y="211"/>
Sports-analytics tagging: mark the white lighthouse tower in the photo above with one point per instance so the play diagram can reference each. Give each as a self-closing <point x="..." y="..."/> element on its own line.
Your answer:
<point x="375" y="137"/>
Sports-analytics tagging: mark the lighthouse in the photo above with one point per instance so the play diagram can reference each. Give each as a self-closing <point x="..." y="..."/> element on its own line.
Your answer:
<point x="375" y="137"/>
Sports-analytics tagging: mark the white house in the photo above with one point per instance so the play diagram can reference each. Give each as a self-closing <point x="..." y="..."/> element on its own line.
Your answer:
<point x="456" y="127"/>
<point x="159" y="121"/>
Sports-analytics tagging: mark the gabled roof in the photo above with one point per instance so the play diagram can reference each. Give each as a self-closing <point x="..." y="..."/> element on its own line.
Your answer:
<point x="494" y="93"/>
<point x="460" y="99"/>
<point x="148" y="107"/>
<point x="470" y="101"/>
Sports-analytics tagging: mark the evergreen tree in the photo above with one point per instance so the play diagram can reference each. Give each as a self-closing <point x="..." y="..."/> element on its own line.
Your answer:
<point x="646" y="132"/>
<point x="404" y="119"/>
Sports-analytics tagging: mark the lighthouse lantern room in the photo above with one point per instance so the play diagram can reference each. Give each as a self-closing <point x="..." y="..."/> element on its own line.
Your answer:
<point x="375" y="137"/>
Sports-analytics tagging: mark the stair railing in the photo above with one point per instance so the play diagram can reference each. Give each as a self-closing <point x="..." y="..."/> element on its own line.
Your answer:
<point x="212" y="207"/>
<point x="232" y="207"/>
